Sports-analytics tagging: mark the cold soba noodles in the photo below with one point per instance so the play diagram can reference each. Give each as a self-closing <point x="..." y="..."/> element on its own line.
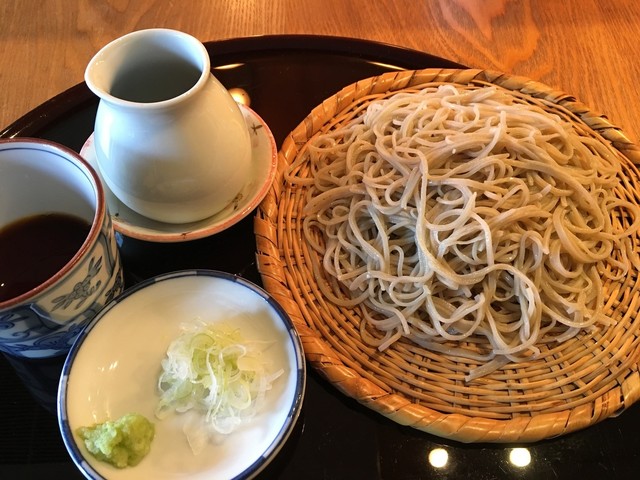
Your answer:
<point x="466" y="220"/>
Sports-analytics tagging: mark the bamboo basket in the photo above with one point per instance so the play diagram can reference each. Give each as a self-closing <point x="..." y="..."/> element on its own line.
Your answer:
<point x="571" y="386"/>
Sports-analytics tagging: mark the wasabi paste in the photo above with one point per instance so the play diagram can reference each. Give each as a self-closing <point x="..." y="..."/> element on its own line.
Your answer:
<point x="123" y="442"/>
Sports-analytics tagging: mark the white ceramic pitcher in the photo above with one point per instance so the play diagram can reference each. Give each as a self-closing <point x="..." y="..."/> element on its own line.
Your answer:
<point x="171" y="143"/>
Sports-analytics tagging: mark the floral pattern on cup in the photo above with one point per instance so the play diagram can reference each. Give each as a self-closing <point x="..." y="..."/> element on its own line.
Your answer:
<point x="81" y="290"/>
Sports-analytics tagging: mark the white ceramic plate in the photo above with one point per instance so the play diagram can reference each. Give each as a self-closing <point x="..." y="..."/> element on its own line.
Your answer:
<point x="264" y="157"/>
<point x="113" y="368"/>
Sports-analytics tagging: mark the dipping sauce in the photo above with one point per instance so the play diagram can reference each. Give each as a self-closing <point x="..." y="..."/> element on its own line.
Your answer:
<point x="35" y="248"/>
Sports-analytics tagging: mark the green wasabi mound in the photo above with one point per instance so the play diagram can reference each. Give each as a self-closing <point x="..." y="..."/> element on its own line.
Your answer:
<point x="123" y="442"/>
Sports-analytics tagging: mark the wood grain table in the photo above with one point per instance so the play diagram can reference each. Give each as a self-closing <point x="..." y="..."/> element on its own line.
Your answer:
<point x="588" y="48"/>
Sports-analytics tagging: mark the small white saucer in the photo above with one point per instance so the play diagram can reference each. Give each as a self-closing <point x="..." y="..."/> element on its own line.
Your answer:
<point x="100" y="382"/>
<point x="264" y="157"/>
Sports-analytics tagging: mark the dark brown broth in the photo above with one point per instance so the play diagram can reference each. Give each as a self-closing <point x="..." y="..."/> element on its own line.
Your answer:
<point x="35" y="248"/>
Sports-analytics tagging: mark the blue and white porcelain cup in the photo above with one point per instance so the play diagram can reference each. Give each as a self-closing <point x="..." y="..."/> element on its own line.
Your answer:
<point x="36" y="177"/>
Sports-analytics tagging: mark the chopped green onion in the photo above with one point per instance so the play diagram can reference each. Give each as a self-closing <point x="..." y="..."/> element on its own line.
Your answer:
<point x="212" y="370"/>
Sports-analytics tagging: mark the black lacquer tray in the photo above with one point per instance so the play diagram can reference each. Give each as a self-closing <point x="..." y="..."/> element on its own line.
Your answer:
<point x="335" y="438"/>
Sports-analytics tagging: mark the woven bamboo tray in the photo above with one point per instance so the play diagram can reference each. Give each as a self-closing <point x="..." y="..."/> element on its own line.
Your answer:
<point x="571" y="386"/>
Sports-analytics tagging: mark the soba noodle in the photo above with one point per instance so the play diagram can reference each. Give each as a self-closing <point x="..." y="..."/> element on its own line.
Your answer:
<point x="466" y="221"/>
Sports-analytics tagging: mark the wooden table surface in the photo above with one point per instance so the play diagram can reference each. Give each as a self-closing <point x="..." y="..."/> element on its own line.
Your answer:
<point x="589" y="48"/>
